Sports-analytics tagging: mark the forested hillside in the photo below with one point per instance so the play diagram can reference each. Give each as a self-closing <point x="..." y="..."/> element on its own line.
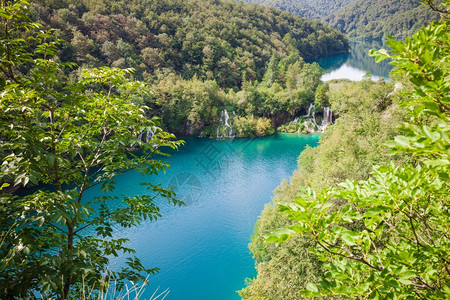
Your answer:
<point x="368" y="117"/>
<point x="309" y="9"/>
<point x="362" y="19"/>
<point x="249" y="59"/>
<point x="366" y="214"/>
<point x="230" y="42"/>
<point x="378" y="18"/>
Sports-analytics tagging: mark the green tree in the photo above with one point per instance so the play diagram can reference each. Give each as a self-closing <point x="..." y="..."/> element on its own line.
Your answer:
<point x="70" y="135"/>
<point x="389" y="237"/>
<point x="321" y="97"/>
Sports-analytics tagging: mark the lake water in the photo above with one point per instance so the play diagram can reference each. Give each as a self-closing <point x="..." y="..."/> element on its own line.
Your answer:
<point x="354" y="65"/>
<point x="202" y="248"/>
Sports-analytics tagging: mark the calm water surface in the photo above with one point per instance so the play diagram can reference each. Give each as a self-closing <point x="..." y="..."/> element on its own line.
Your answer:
<point x="202" y="248"/>
<point x="355" y="64"/>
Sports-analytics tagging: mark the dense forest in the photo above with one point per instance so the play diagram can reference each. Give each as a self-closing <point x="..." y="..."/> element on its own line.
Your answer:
<point x="360" y="19"/>
<point x="365" y="216"/>
<point x="378" y="19"/>
<point x="369" y="115"/>
<point x="248" y="58"/>
<point x="230" y="42"/>
<point x="309" y="9"/>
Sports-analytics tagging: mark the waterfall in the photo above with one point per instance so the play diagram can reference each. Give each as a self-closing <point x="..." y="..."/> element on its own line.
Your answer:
<point x="295" y="121"/>
<point x="224" y="130"/>
<point x="146" y="135"/>
<point x="311" y="108"/>
<point x="327" y="119"/>
<point x="149" y="134"/>
<point x="311" y="124"/>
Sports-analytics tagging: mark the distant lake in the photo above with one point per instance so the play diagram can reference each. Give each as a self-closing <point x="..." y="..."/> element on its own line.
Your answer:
<point x="354" y="65"/>
<point x="202" y="248"/>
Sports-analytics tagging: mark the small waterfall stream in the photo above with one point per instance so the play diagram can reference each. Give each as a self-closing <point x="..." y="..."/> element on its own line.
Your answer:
<point x="327" y="119"/>
<point x="310" y="122"/>
<point x="147" y="135"/>
<point x="310" y="109"/>
<point x="225" y="130"/>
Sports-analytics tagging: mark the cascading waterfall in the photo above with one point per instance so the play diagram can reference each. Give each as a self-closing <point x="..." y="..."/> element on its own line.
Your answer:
<point x="295" y="121"/>
<point x="327" y="119"/>
<point x="311" y="123"/>
<point x="224" y="130"/>
<point x="147" y="135"/>
<point x="310" y="109"/>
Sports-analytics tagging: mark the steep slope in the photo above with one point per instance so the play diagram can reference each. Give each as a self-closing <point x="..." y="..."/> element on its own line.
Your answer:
<point x="310" y="9"/>
<point x="223" y="40"/>
<point x="378" y="18"/>
<point x="368" y="117"/>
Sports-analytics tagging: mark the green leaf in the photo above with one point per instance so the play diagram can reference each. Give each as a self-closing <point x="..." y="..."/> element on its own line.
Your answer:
<point x="312" y="288"/>
<point x="402" y="141"/>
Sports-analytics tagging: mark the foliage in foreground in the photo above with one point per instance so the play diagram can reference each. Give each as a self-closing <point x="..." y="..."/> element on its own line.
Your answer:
<point x="71" y="135"/>
<point x="390" y="239"/>
<point x="368" y="116"/>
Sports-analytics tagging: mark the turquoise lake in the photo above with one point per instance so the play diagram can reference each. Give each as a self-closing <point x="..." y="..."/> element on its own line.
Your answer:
<point x="355" y="64"/>
<point x="202" y="247"/>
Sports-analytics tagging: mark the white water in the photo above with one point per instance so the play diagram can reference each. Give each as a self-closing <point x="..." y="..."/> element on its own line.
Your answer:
<point x="311" y="123"/>
<point x="147" y="135"/>
<point x="311" y="108"/>
<point x="327" y="119"/>
<point x="225" y="130"/>
<point x="295" y="121"/>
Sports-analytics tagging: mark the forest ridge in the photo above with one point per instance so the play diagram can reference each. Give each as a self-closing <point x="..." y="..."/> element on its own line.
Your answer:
<point x="227" y="41"/>
<point x="361" y="19"/>
<point x="248" y="59"/>
<point x="366" y="216"/>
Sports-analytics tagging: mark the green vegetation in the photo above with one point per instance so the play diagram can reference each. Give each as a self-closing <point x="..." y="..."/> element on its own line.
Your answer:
<point x="361" y="19"/>
<point x="348" y="149"/>
<point x="251" y="126"/>
<point x="226" y="41"/>
<point x="195" y="107"/>
<point x="200" y="57"/>
<point x="379" y="18"/>
<point x="310" y="9"/>
<point x="71" y="134"/>
<point x="75" y="128"/>
<point x="357" y="231"/>
<point x="362" y="232"/>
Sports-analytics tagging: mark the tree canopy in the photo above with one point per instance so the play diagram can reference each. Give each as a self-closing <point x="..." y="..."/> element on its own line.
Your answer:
<point x="378" y="19"/>
<point x="309" y="9"/>
<point x="68" y="134"/>
<point x="226" y="41"/>
<point x="386" y="235"/>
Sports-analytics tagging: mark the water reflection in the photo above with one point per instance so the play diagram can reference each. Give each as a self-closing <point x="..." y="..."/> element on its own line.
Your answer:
<point x="355" y="64"/>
